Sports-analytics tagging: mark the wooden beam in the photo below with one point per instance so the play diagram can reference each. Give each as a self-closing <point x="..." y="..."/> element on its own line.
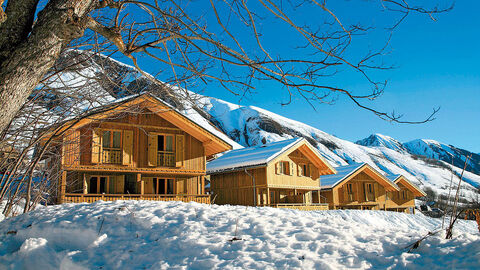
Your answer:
<point x="62" y="187"/>
<point x="85" y="185"/>
<point x="142" y="183"/>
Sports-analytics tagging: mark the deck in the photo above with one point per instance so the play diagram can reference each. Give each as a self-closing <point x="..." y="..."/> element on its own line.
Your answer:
<point x="90" y="198"/>
<point x="303" y="207"/>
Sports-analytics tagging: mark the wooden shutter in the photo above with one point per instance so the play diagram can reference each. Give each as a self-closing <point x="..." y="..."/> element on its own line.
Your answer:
<point x="277" y="168"/>
<point x="152" y="149"/>
<point x="127" y="147"/>
<point x="181" y="185"/>
<point x="96" y="145"/>
<point x="179" y="150"/>
<point x="120" y="184"/>
<point x="71" y="148"/>
<point x="365" y="191"/>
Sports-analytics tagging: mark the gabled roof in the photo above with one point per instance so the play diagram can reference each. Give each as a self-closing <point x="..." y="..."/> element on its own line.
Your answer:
<point x="345" y="173"/>
<point x="212" y="142"/>
<point x="261" y="155"/>
<point x="398" y="178"/>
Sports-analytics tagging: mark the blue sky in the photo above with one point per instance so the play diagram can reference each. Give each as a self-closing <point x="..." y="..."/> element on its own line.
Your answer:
<point x="436" y="66"/>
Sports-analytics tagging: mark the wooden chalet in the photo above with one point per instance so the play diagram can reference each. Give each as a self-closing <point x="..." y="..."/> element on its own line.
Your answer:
<point x="404" y="199"/>
<point x="138" y="148"/>
<point x="282" y="174"/>
<point x="357" y="186"/>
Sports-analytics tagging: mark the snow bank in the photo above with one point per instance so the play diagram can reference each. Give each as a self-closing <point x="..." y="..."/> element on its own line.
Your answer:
<point x="157" y="235"/>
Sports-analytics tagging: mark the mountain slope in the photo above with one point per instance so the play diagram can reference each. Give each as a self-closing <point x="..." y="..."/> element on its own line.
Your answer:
<point x="250" y="125"/>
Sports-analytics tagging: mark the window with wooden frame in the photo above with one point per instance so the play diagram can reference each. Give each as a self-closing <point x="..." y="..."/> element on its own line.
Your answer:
<point x="283" y="167"/>
<point x="369" y="192"/>
<point x="349" y="191"/>
<point x="166" y="150"/>
<point x="100" y="184"/>
<point x="304" y="169"/>
<point x="404" y="194"/>
<point x="112" y="146"/>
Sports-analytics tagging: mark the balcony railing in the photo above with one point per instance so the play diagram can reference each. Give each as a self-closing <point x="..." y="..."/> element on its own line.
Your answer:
<point x="90" y="198"/>
<point x="112" y="156"/>
<point x="165" y="159"/>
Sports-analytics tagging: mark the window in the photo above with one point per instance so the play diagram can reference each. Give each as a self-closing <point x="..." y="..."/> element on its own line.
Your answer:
<point x="369" y="192"/>
<point x="112" y="146"/>
<point x="303" y="169"/>
<point x="405" y="194"/>
<point x="165" y="148"/>
<point x="349" y="188"/>
<point x="283" y="167"/>
<point x="112" y="139"/>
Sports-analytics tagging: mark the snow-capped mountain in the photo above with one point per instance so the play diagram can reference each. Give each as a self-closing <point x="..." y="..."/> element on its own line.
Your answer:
<point x="249" y="125"/>
<point x="379" y="140"/>
<point x="437" y="150"/>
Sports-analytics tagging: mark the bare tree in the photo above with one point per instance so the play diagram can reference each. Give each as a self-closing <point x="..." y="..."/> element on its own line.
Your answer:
<point x="224" y="43"/>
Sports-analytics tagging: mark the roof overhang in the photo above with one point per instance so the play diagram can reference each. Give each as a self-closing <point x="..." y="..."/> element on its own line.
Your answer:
<point x="313" y="155"/>
<point x="210" y="141"/>
<point x="372" y="173"/>
<point x="412" y="187"/>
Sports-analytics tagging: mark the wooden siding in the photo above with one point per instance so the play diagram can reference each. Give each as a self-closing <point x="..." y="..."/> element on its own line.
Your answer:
<point x="397" y="202"/>
<point x="236" y="187"/>
<point x="338" y="197"/>
<point x="135" y="130"/>
<point x="293" y="179"/>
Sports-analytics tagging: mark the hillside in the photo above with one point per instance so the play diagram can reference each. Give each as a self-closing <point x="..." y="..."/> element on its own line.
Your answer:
<point x="160" y="235"/>
<point x="250" y="125"/>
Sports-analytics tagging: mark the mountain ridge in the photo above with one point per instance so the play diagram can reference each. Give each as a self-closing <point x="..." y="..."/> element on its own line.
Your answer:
<point x="250" y="125"/>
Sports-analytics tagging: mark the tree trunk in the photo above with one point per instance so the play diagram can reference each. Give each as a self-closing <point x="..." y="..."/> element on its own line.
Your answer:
<point x="57" y="25"/>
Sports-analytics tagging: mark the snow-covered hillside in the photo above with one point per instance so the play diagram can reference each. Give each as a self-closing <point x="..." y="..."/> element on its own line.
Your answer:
<point x="250" y="125"/>
<point x="161" y="235"/>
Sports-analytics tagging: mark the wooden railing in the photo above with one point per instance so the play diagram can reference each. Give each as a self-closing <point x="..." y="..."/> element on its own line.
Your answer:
<point x="301" y="206"/>
<point x="90" y="198"/>
<point x="165" y="159"/>
<point x="112" y="156"/>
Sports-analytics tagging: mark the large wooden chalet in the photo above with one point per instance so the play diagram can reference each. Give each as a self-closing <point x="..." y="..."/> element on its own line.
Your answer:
<point x="282" y="174"/>
<point x="136" y="148"/>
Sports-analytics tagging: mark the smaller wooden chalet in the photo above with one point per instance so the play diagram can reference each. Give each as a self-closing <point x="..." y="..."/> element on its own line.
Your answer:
<point x="404" y="199"/>
<point x="138" y="148"/>
<point x="357" y="186"/>
<point x="280" y="174"/>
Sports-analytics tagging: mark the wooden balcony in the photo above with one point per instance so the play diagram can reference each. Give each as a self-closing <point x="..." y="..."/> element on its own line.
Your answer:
<point x="303" y="207"/>
<point x="90" y="198"/>
<point x="112" y="156"/>
<point x="165" y="159"/>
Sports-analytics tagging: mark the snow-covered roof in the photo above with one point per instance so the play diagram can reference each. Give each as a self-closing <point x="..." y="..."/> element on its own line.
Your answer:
<point x="330" y="181"/>
<point x="250" y="156"/>
<point x="395" y="178"/>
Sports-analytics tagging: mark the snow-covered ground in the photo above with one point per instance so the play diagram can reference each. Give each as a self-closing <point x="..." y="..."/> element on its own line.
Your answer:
<point x="159" y="235"/>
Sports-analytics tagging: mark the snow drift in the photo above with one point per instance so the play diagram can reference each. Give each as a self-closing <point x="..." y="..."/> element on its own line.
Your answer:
<point x="160" y="235"/>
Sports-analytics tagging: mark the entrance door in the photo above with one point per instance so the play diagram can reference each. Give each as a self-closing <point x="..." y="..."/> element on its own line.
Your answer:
<point x="163" y="186"/>
<point x="97" y="185"/>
